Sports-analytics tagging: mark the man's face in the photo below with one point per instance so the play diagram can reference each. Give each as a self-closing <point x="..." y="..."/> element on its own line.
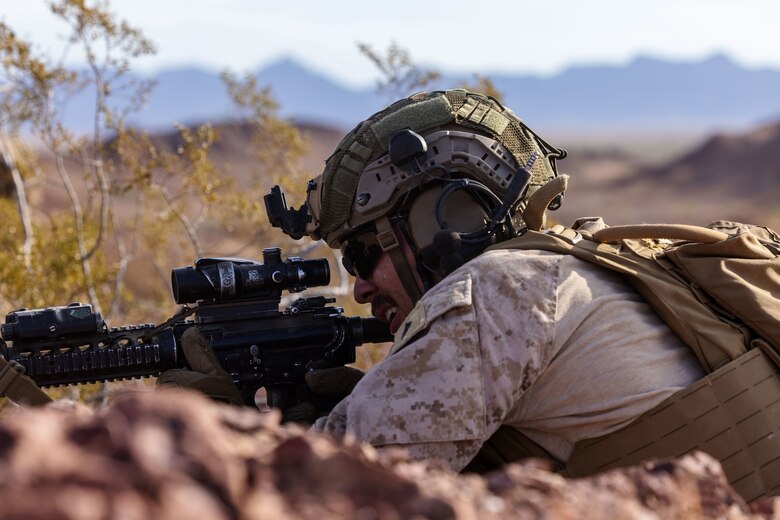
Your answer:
<point x="384" y="290"/>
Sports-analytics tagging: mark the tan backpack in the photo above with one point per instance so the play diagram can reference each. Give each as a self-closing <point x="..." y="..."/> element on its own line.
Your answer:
<point x="717" y="287"/>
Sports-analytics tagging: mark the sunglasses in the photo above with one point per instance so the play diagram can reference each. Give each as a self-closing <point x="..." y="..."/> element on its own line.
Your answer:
<point x="360" y="254"/>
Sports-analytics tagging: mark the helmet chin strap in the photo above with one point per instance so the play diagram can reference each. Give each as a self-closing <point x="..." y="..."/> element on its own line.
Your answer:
<point x="391" y="244"/>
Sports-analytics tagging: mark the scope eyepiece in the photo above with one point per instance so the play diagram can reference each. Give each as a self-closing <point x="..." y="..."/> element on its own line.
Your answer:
<point x="224" y="279"/>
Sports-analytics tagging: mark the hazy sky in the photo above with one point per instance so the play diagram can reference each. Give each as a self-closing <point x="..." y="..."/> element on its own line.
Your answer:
<point x="484" y="36"/>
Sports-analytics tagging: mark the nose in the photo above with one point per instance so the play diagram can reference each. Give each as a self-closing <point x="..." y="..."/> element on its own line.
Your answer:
<point x="363" y="291"/>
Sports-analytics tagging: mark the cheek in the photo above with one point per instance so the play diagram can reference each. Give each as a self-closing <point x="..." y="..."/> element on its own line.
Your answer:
<point x="387" y="282"/>
<point x="384" y="276"/>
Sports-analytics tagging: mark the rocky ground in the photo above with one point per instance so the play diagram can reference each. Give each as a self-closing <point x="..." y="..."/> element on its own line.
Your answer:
<point x="176" y="455"/>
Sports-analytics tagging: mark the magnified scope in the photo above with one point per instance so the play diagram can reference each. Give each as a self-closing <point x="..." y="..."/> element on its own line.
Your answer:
<point x="221" y="279"/>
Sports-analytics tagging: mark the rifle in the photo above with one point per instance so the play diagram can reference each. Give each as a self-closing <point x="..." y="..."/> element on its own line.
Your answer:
<point x="236" y="309"/>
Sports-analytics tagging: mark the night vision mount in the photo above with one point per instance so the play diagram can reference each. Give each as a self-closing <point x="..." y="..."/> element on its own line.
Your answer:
<point x="291" y="221"/>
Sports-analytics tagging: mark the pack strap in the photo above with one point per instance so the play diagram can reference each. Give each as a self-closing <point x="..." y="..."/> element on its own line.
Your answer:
<point x="18" y="387"/>
<point x="534" y="212"/>
<point x="659" y="231"/>
<point x="507" y="445"/>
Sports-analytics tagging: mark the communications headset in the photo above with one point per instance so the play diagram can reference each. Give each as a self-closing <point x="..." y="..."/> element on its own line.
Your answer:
<point x="450" y="219"/>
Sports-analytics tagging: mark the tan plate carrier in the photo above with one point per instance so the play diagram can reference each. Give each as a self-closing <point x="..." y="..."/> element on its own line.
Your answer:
<point x="734" y="412"/>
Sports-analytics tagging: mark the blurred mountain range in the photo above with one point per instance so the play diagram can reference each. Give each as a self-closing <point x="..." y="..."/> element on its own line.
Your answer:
<point x="730" y="176"/>
<point x="647" y="95"/>
<point x="610" y="119"/>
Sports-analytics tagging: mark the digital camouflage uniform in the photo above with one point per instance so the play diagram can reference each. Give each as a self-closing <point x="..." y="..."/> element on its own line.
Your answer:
<point x="545" y="343"/>
<point x="521" y="353"/>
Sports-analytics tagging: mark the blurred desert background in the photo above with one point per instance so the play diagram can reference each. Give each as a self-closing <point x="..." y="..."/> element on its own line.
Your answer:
<point x="702" y="146"/>
<point x="673" y="125"/>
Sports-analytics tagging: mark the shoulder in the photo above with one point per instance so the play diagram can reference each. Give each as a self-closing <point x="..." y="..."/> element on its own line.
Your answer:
<point x="451" y="295"/>
<point x="502" y="284"/>
<point x="501" y="278"/>
<point x="505" y="266"/>
<point x="499" y="257"/>
<point x="517" y="268"/>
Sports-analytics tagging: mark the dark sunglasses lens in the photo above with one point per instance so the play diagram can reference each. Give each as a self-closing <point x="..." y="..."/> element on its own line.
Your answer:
<point x="360" y="258"/>
<point x="347" y="263"/>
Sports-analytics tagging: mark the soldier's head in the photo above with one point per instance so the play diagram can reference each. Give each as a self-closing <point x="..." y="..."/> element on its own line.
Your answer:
<point x="422" y="187"/>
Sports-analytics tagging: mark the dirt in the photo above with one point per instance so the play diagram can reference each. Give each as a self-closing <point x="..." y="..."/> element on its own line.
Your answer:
<point x="174" y="454"/>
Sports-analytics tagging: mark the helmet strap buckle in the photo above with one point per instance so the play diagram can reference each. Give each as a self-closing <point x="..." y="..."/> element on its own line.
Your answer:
<point x="390" y="244"/>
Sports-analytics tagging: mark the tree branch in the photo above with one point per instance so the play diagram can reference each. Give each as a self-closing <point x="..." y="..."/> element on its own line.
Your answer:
<point x="192" y="233"/>
<point x="78" y="217"/>
<point x="7" y="157"/>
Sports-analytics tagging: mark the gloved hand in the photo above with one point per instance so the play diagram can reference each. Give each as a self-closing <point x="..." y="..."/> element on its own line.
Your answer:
<point x="18" y="387"/>
<point x="205" y="374"/>
<point x="336" y="382"/>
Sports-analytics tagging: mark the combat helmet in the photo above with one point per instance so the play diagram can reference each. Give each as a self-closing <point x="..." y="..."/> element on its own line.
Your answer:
<point x="450" y="170"/>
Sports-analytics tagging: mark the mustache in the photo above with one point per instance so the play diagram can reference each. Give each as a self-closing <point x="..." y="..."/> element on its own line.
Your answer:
<point x="380" y="300"/>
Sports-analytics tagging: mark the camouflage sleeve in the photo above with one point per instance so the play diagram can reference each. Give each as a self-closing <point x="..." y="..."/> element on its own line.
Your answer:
<point x="441" y="394"/>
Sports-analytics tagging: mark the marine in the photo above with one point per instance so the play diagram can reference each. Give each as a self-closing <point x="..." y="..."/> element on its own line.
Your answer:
<point x="501" y="351"/>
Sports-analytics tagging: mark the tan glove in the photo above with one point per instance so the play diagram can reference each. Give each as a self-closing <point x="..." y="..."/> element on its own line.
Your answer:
<point x="18" y="387"/>
<point x="337" y="382"/>
<point x="205" y="374"/>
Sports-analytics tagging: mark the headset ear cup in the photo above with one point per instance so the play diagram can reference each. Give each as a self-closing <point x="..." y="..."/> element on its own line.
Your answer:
<point x="461" y="213"/>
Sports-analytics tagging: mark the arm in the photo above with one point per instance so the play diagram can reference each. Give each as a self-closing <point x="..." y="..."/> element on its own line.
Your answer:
<point x="427" y="398"/>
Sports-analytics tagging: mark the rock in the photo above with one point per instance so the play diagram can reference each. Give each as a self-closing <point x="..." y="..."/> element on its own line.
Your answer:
<point x="174" y="454"/>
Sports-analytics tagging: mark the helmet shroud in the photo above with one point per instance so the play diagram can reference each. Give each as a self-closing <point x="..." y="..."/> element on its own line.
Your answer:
<point x="359" y="188"/>
<point x="423" y="113"/>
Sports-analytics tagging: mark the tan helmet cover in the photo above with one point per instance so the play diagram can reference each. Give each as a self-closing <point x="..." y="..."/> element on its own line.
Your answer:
<point x="355" y="188"/>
